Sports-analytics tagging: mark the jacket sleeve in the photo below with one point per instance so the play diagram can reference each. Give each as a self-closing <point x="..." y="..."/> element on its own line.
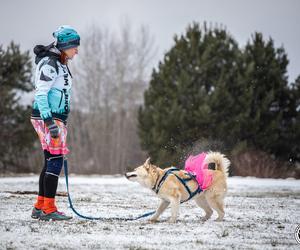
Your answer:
<point x="43" y="83"/>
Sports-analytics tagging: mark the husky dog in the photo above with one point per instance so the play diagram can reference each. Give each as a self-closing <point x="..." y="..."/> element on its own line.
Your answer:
<point x="175" y="186"/>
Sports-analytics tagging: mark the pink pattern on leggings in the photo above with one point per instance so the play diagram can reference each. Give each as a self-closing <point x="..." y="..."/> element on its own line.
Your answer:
<point x="54" y="146"/>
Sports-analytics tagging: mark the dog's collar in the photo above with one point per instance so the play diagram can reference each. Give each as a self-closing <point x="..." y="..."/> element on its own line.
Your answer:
<point x="154" y="187"/>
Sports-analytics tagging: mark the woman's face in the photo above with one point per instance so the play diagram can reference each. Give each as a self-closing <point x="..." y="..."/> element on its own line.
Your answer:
<point x="71" y="52"/>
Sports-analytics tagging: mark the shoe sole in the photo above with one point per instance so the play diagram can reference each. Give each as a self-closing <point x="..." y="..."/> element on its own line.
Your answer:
<point x="35" y="217"/>
<point x="53" y="219"/>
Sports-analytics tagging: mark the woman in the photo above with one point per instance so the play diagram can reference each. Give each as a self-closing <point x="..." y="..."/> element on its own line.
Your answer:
<point x="53" y="82"/>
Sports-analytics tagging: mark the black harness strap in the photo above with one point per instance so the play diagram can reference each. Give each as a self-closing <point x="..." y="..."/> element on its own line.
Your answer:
<point x="162" y="180"/>
<point x="182" y="181"/>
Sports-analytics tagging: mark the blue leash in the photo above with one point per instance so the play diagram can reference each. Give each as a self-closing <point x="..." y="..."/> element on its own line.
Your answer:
<point x="96" y="218"/>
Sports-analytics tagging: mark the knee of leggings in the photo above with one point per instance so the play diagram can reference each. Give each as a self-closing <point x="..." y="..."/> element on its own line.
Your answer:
<point x="54" y="166"/>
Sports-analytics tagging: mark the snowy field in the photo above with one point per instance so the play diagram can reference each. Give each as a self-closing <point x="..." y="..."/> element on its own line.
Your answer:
<point x="260" y="214"/>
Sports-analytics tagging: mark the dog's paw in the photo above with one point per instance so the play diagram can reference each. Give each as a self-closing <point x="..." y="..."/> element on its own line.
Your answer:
<point x="219" y="219"/>
<point x="203" y="219"/>
<point x="172" y="220"/>
<point x="153" y="220"/>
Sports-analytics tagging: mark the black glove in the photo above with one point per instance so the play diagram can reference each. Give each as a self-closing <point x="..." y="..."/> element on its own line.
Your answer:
<point x="53" y="128"/>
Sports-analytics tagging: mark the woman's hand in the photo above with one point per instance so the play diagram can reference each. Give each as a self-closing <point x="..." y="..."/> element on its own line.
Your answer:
<point x="53" y="128"/>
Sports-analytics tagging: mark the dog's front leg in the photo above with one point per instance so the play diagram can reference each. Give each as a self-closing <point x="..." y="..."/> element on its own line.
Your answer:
<point x="162" y="207"/>
<point x="175" y="202"/>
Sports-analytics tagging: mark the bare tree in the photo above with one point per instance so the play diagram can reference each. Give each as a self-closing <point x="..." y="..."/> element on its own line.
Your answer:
<point x="111" y="76"/>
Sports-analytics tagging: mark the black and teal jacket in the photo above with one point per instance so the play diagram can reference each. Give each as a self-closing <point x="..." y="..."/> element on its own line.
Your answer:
<point x="53" y="83"/>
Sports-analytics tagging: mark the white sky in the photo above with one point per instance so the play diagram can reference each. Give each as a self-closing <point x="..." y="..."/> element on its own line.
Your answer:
<point x="30" y="22"/>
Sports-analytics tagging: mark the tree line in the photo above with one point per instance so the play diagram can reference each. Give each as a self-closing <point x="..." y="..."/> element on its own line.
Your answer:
<point x="207" y="93"/>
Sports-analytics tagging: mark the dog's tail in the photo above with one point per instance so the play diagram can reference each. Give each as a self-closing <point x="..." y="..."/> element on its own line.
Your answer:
<point x="217" y="161"/>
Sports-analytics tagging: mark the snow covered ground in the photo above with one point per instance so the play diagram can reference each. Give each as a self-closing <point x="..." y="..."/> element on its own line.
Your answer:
<point x="260" y="214"/>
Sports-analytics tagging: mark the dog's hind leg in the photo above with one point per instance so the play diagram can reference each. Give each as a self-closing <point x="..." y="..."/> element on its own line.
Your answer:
<point x="217" y="204"/>
<point x="175" y="202"/>
<point x="201" y="202"/>
<point x="162" y="207"/>
<point x="220" y="204"/>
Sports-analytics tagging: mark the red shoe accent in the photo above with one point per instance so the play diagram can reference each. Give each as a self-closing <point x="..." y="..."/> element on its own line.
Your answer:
<point x="39" y="202"/>
<point x="49" y="205"/>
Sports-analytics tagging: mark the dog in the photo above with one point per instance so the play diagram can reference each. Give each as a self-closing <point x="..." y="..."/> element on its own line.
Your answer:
<point x="178" y="185"/>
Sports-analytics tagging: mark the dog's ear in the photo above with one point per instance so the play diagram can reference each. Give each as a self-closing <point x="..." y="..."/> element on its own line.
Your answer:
<point x="147" y="162"/>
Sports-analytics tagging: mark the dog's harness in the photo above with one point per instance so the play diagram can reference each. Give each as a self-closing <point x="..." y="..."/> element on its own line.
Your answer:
<point x="182" y="180"/>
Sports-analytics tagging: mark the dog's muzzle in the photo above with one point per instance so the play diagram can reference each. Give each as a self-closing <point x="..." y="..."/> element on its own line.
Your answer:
<point x="128" y="175"/>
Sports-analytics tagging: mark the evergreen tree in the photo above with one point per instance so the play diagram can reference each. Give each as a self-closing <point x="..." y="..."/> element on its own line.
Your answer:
<point x="186" y="98"/>
<point x="271" y="111"/>
<point x="288" y="145"/>
<point x="16" y="132"/>
<point x="207" y="88"/>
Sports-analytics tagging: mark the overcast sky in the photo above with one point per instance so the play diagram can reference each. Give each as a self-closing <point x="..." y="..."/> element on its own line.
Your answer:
<point x="30" y="22"/>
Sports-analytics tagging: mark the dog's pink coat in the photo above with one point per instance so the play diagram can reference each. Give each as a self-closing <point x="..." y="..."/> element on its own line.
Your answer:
<point x="196" y="166"/>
